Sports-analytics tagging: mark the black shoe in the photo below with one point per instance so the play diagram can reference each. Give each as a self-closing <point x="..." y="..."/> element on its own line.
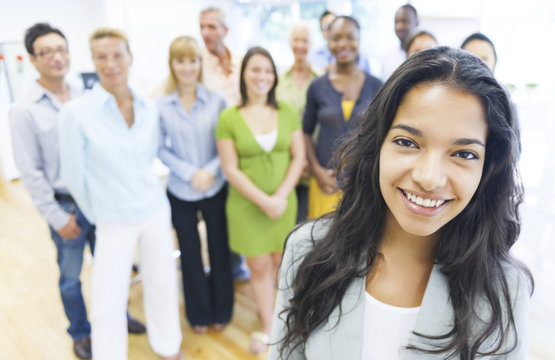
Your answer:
<point x="134" y="326"/>
<point x="82" y="348"/>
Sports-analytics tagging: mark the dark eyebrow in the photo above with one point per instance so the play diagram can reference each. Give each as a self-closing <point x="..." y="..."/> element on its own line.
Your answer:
<point x="465" y="141"/>
<point x="417" y="132"/>
<point x="410" y="129"/>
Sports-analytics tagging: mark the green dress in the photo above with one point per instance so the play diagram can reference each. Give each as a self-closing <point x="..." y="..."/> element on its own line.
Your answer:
<point x="252" y="232"/>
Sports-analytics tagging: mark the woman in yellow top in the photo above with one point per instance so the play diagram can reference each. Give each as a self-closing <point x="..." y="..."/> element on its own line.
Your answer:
<point x="332" y="102"/>
<point x="261" y="149"/>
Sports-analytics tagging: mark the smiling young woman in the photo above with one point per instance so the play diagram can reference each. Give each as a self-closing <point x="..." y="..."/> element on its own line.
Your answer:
<point x="261" y="149"/>
<point x="333" y="103"/>
<point x="188" y="117"/>
<point x="415" y="261"/>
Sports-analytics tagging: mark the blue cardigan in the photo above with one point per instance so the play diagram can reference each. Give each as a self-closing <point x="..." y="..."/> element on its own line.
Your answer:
<point x="323" y="108"/>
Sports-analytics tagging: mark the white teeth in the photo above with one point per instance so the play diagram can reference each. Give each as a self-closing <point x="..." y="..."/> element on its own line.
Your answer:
<point x="423" y="202"/>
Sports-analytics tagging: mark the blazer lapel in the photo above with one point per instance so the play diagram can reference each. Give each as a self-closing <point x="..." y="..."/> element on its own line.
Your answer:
<point x="345" y="339"/>
<point x="436" y="315"/>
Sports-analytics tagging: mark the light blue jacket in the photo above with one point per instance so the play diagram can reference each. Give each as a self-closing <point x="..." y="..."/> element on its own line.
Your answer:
<point x="343" y="340"/>
<point x="106" y="164"/>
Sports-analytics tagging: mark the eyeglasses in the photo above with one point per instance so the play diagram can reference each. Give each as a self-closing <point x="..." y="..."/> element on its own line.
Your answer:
<point x="49" y="53"/>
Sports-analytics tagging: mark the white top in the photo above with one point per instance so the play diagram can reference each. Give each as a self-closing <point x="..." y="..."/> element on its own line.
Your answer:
<point x="386" y="329"/>
<point x="267" y="141"/>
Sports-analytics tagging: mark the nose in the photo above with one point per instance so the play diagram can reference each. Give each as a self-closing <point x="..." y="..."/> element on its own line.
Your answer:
<point x="430" y="171"/>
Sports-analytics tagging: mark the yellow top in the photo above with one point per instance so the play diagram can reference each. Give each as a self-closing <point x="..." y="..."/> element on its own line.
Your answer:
<point x="347" y="106"/>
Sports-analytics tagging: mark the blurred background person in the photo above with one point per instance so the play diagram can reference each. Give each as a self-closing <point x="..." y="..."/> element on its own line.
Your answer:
<point x="221" y="66"/>
<point x="221" y="73"/>
<point x="321" y="57"/>
<point x="420" y="41"/>
<point x="36" y="153"/>
<point x="292" y="87"/>
<point x="262" y="154"/>
<point x="481" y="46"/>
<point x="332" y="102"/>
<point x="189" y="114"/>
<point x="108" y="140"/>
<point x="406" y="20"/>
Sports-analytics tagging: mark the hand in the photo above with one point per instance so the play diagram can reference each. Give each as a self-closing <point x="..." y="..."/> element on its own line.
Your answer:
<point x="202" y="180"/>
<point x="326" y="180"/>
<point x="274" y="206"/>
<point x="70" y="230"/>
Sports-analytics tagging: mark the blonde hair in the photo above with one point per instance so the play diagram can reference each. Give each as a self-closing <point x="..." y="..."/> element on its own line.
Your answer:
<point x="103" y="32"/>
<point x="182" y="46"/>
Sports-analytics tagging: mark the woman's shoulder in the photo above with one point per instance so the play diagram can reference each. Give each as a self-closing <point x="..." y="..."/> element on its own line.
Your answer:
<point x="320" y="83"/>
<point x="164" y="100"/>
<point x="229" y="113"/>
<point x="286" y="108"/>
<point x="303" y="237"/>
<point x="519" y="280"/>
<point x="372" y="82"/>
<point x="211" y="96"/>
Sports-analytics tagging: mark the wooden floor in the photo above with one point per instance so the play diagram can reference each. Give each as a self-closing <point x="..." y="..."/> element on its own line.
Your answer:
<point x="32" y="322"/>
<point x="33" y="325"/>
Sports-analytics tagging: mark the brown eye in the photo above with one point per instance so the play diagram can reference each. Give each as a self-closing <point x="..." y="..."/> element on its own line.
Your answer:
<point x="466" y="155"/>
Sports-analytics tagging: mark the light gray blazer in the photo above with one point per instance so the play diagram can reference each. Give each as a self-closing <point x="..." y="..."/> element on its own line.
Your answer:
<point x="343" y="340"/>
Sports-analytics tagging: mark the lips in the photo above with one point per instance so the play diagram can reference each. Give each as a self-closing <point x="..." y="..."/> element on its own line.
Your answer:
<point x="429" y="203"/>
<point x="344" y="53"/>
<point x="421" y="205"/>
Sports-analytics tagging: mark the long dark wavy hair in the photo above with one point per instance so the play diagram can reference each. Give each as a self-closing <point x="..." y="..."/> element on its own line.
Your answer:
<point x="473" y="247"/>
<point x="257" y="50"/>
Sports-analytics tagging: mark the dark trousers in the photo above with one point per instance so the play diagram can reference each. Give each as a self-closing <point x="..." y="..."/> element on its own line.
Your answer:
<point x="208" y="297"/>
<point x="302" y="198"/>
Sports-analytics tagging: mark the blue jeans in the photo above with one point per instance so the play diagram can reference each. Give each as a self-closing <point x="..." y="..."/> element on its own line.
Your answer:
<point x="70" y="260"/>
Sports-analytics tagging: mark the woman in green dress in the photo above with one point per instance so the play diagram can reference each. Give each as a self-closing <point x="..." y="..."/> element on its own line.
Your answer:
<point x="260" y="144"/>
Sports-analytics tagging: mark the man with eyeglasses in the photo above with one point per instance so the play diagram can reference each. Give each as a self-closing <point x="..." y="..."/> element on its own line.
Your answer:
<point x="36" y="152"/>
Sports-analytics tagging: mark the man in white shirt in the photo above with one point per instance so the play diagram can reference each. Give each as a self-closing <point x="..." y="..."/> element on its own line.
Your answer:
<point x="406" y="20"/>
<point x="220" y="72"/>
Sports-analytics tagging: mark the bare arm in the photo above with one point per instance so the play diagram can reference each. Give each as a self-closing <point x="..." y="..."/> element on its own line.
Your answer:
<point x="325" y="177"/>
<point x="296" y="166"/>
<point x="273" y="206"/>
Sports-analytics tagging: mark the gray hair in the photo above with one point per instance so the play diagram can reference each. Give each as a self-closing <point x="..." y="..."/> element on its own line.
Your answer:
<point x="217" y="10"/>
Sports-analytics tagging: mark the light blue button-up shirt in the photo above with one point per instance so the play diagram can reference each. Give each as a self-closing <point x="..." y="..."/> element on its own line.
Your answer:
<point x="107" y="166"/>
<point x="35" y="148"/>
<point x="188" y="142"/>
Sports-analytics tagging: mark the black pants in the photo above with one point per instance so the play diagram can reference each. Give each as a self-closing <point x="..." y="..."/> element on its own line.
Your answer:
<point x="302" y="198"/>
<point x="208" y="298"/>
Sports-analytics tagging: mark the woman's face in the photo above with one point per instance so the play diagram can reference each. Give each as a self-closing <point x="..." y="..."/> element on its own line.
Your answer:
<point x="419" y="44"/>
<point x="300" y="43"/>
<point x="186" y="70"/>
<point x="483" y="50"/>
<point x="432" y="158"/>
<point x="259" y="76"/>
<point x="343" y="41"/>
